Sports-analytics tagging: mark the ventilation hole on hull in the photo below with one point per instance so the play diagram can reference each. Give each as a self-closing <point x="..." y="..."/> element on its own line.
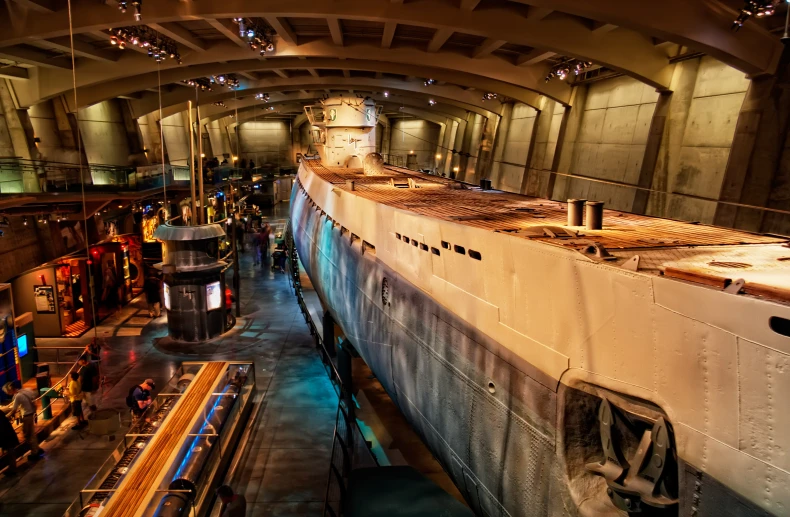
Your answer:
<point x="475" y="255"/>
<point x="423" y="247"/>
<point x="445" y="245"/>
<point x="414" y="243"/>
<point x="491" y="387"/>
<point x="460" y="249"/>
<point x="405" y="239"/>
<point x="732" y="265"/>
<point x="397" y="236"/>
<point x="435" y="251"/>
<point x="780" y="325"/>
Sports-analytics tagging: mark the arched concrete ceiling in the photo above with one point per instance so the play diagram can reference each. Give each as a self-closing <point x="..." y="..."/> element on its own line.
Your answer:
<point x="413" y="93"/>
<point x="615" y="33"/>
<point x="249" y="109"/>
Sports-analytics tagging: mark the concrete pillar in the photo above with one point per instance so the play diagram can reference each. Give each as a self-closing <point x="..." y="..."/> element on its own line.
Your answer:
<point x="684" y="78"/>
<point x="466" y="145"/>
<point x="133" y="135"/>
<point x="437" y="159"/>
<point x="386" y="141"/>
<point x="756" y="152"/>
<point x="20" y="132"/>
<point x="449" y="141"/>
<point x="652" y="148"/>
<point x="530" y="153"/>
<point x="500" y="140"/>
<point x="567" y="135"/>
<point x="485" y="149"/>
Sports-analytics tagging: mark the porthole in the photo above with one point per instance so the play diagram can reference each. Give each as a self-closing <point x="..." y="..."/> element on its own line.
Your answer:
<point x="405" y="239"/>
<point x="397" y="236"/>
<point x="475" y="255"/>
<point x="414" y="243"/>
<point x="423" y="247"/>
<point x="435" y="251"/>
<point x="459" y="249"/>
<point x="445" y="245"/>
<point x="491" y="387"/>
<point x="780" y="325"/>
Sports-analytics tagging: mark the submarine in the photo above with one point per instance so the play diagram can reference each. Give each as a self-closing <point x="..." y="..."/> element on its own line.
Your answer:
<point x="558" y="359"/>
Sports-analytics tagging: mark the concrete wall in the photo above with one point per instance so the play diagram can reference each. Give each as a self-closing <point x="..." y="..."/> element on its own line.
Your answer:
<point x="55" y="132"/>
<point x="175" y="132"/>
<point x="610" y="142"/>
<point x="20" y="249"/>
<point x="6" y="146"/>
<point x="104" y="134"/>
<point x="265" y="141"/>
<point x="698" y="144"/>
<point x="512" y="151"/>
<point x="415" y="135"/>
<point x="218" y="135"/>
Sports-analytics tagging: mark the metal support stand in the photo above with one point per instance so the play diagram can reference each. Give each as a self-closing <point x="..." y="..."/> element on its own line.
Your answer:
<point x="329" y="334"/>
<point x="344" y="370"/>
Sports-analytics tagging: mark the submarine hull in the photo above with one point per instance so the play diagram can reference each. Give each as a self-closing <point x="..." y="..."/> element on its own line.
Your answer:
<point x="514" y="440"/>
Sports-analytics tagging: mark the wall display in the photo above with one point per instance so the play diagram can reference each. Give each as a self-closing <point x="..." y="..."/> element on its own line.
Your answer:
<point x="166" y="289"/>
<point x="213" y="296"/>
<point x="44" y="296"/>
<point x="150" y="224"/>
<point x="21" y="344"/>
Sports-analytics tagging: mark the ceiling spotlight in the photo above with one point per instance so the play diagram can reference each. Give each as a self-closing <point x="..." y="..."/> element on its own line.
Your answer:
<point x="431" y="102"/>
<point x="114" y="40"/>
<point x="756" y="8"/>
<point x="250" y="33"/>
<point x="386" y="94"/>
<point x="270" y="47"/>
<point x="221" y="79"/>
<point x="24" y="221"/>
<point x="429" y="82"/>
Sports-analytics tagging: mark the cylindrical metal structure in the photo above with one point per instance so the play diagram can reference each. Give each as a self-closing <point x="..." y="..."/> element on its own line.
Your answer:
<point x="594" y="215"/>
<point x="193" y="283"/>
<point x="192" y="164"/>
<point x="200" y="218"/>
<point x="576" y="212"/>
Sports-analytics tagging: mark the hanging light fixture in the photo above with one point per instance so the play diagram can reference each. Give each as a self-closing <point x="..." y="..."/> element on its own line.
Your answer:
<point x="159" y="47"/>
<point x="756" y="8"/>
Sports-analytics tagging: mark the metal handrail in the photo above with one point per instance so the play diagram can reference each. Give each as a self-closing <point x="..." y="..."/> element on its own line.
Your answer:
<point x="52" y="388"/>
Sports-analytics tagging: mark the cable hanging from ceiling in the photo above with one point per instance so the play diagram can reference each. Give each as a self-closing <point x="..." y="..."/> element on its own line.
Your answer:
<point x="159" y="47"/>
<point x="259" y="37"/>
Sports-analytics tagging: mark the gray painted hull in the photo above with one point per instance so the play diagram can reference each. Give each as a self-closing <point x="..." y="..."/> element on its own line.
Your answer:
<point x="514" y="441"/>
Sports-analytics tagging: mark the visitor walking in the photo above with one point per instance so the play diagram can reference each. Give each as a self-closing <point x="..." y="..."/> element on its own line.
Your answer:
<point x="25" y="401"/>
<point x="151" y="288"/>
<point x="233" y="505"/>
<point x="8" y="443"/>
<point x="89" y="382"/>
<point x="75" y="397"/>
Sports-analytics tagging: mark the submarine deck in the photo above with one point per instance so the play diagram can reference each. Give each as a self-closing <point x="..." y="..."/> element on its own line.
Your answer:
<point x="690" y="251"/>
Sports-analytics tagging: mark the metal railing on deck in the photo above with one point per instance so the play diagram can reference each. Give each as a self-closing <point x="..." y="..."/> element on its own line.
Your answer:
<point x="19" y="175"/>
<point x="350" y="450"/>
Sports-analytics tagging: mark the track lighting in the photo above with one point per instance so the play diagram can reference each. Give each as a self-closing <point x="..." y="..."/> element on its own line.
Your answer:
<point x="159" y="47"/>
<point x="259" y="37"/>
<point x="429" y="82"/>
<point x="262" y="97"/>
<point x="489" y="96"/>
<point x="137" y="5"/>
<point x="431" y="102"/>
<point x="220" y="104"/>
<point x="204" y="83"/>
<point x="386" y="95"/>
<point x="756" y="8"/>
<point x="568" y="65"/>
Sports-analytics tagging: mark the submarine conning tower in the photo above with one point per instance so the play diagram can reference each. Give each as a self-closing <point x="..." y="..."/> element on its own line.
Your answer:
<point x="344" y="129"/>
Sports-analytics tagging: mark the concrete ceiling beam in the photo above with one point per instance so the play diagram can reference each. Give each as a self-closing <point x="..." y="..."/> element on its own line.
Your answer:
<point x="14" y="72"/>
<point x="389" y="33"/>
<point x="229" y="30"/>
<point x="41" y="6"/>
<point x="335" y="30"/>
<point x="702" y="26"/>
<point x="440" y="37"/>
<point x="451" y="101"/>
<point x="533" y="58"/>
<point x="81" y="49"/>
<point x="487" y="74"/>
<point x="282" y="28"/>
<point x="487" y="47"/>
<point x="180" y="35"/>
<point x="32" y="57"/>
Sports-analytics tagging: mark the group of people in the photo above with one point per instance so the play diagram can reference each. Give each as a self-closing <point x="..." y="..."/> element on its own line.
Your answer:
<point x="262" y="245"/>
<point x="82" y="394"/>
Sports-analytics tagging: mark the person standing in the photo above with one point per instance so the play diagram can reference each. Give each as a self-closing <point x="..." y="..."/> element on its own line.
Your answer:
<point x="266" y="230"/>
<point x="8" y="442"/>
<point x="151" y="288"/>
<point x="89" y="382"/>
<point x="25" y="401"/>
<point x="75" y="397"/>
<point x="233" y="505"/>
<point x="256" y="249"/>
